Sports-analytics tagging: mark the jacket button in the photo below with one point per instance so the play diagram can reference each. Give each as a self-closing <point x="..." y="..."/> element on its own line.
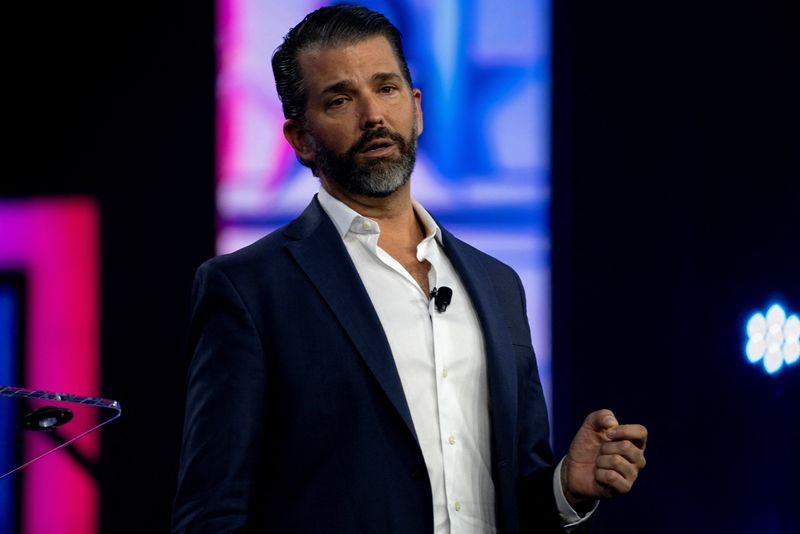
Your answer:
<point x="418" y="473"/>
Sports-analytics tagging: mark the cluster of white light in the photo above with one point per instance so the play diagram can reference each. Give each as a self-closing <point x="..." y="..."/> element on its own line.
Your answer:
<point x="773" y="338"/>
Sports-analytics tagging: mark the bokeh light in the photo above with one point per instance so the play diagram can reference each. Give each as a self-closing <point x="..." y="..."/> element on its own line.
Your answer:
<point x="773" y="338"/>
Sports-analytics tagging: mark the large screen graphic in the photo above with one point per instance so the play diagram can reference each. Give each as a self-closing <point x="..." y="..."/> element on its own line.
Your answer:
<point x="49" y="340"/>
<point x="483" y="162"/>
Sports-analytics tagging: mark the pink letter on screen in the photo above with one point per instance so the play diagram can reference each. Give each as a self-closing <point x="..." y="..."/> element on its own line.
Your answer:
<point x="55" y="242"/>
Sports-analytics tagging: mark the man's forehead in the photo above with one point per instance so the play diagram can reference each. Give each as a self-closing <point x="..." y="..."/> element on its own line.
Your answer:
<point x="321" y="65"/>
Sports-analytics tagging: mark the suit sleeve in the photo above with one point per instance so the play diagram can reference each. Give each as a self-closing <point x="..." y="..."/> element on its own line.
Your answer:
<point x="223" y="428"/>
<point x="538" y="511"/>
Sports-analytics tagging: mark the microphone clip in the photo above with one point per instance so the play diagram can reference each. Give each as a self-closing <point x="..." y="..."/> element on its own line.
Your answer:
<point x="441" y="298"/>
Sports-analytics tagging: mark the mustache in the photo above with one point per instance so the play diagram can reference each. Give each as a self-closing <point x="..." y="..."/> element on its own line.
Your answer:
<point x="377" y="133"/>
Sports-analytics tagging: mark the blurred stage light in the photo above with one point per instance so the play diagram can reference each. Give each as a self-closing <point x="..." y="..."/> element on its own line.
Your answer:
<point x="773" y="338"/>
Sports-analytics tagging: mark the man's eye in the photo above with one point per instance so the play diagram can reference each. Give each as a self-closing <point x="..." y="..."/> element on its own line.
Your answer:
<point x="336" y="102"/>
<point x="388" y="89"/>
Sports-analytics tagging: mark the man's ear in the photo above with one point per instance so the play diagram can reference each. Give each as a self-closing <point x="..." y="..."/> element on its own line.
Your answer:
<point x="298" y="137"/>
<point x="418" y="108"/>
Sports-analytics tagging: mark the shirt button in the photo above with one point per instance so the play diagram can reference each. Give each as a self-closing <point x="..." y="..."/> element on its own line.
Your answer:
<point x="365" y="225"/>
<point x="458" y="506"/>
<point x="444" y="372"/>
<point x="451" y="440"/>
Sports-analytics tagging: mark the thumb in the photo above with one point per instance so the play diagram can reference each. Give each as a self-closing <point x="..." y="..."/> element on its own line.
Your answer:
<point x="601" y="420"/>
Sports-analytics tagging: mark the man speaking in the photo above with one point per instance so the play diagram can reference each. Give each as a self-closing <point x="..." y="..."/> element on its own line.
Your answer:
<point x="361" y="370"/>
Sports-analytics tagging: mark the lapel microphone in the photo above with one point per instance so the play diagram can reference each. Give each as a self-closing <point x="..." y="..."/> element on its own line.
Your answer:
<point x="442" y="297"/>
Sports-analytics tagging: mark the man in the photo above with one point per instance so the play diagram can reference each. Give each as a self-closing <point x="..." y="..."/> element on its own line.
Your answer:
<point x="328" y="391"/>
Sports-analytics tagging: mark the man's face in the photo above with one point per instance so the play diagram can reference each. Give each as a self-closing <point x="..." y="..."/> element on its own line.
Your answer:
<point x="362" y="118"/>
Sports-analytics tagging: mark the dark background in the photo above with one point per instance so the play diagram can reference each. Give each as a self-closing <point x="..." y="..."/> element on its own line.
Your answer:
<point x="676" y="160"/>
<point x="676" y="184"/>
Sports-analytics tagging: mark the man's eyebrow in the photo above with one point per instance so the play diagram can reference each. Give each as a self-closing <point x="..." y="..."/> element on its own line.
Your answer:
<point x="344" y="86"/>
<point x="338" y="87"/>
<point x="382" y="77"/>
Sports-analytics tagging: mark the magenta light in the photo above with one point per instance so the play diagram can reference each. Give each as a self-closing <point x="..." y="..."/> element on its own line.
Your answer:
<point x="55" y="242"/>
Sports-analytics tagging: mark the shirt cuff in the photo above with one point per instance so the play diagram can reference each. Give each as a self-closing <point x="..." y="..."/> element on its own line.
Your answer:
<point x="569" y="517"/>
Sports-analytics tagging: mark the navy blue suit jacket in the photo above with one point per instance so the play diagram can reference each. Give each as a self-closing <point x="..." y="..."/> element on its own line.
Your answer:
<point x="296" y="420"/>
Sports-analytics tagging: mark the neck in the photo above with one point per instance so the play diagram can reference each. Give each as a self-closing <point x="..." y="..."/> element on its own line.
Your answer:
<point x="394" y="213"/>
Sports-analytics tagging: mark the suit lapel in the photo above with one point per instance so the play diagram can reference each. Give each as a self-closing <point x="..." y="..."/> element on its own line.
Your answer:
<point x="500" y="358"/>
<point x="320" y="252"/>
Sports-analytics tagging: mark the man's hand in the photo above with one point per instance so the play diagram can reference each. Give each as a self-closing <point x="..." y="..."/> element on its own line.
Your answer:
<point x="604" y="459"/>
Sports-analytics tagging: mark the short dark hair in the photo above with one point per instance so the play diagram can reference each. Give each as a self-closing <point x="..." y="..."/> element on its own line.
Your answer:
<point x="327" y="27"/>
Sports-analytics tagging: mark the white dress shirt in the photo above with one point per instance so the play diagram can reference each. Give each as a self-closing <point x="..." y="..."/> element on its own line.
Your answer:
<point x="441" y="360"/>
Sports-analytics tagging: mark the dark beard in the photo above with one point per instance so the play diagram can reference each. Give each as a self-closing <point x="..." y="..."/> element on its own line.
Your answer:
<point x="378" y="177"/>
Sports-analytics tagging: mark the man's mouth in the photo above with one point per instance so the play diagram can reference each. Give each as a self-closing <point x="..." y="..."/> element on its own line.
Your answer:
<point x="378" y="148"/>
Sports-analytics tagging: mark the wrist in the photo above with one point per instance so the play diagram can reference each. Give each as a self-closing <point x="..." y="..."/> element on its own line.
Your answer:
<point x="582" y="505"/>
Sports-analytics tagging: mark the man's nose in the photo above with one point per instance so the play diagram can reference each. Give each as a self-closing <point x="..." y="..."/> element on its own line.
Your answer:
<point x="372" y="113"/>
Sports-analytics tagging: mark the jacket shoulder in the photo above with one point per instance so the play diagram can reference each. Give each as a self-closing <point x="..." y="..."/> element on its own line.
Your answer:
<point x="245" y="257"/>
<point x="494" y="267"/>
<point x="269" y="248"/>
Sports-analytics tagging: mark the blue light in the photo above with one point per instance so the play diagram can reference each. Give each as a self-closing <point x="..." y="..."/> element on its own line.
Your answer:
<point x="9" y="315"/>
<point x="773" y="339"/>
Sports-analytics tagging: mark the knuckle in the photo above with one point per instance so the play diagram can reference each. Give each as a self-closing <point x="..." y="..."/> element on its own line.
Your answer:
<point x="617" y="462"/>
<point x="599" y="414"/>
